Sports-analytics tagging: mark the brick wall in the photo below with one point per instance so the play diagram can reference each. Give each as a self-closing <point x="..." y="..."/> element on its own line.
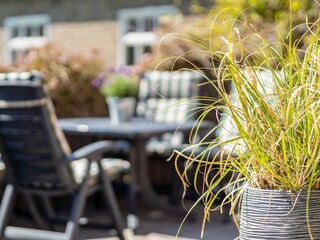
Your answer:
<point x="82" y="37"/>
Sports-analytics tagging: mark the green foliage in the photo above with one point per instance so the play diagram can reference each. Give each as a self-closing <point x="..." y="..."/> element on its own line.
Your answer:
<point x="122" y="82"/>
<point x="187" y="39"/>
<point x="120" y="87"/>
<point x="68" y="78"/>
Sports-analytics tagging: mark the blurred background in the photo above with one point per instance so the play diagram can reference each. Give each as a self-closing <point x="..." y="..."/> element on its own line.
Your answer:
<point x="72" y="41"/>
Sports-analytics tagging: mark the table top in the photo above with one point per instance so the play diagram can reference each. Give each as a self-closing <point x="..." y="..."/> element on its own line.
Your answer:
<point x="136" y="131"/>
<point x="137" y="127"/>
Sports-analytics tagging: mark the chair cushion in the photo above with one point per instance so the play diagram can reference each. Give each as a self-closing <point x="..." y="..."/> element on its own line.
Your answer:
<point x="32" y="76"/>
<point x="168" y="96"/>
<point x="165" y="145"/>
<point x="227" y="129"/>
<point x="2" y="169"/>
<point x="113" y="167"/>
<point x="169" y="84"/>
<point x="168" y="110"/>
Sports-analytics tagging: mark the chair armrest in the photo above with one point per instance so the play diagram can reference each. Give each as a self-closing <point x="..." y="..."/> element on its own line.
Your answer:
<point x="92" y="151"/>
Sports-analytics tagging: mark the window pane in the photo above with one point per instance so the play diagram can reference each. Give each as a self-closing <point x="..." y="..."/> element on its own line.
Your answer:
<point x="148" y="24"/>
<point x="146" y="49"/>
<point x="28" y="31"/>
<point x="129" y="55"/>
<point x="41" y="30"/>
<point x="131" y="25"/>
<point x="14" y="32"/>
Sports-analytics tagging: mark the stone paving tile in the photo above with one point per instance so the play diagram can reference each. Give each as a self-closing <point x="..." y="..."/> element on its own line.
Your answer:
<point x="156" y="225"/>
<point x="164" y="227"/>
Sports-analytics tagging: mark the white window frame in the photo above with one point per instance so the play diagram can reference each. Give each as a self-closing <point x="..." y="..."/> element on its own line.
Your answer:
<point x="140" y="38"/>
<point x="21" y="42"/>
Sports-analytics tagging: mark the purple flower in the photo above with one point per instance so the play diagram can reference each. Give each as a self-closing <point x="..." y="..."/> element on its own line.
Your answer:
<point x="97" y="82"/>
<point x="111" y="74"/>
<point x="125" y="70"/>
<point x="112" y="70"/>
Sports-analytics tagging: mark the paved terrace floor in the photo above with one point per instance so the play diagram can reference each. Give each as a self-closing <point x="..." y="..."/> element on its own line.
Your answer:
<point x="154" y="225"/>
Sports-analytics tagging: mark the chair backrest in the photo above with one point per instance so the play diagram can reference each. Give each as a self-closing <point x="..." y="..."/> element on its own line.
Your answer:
<point x="32" y="145"/>
<point x="169" y="96"/>
<point x="227" y="129"/>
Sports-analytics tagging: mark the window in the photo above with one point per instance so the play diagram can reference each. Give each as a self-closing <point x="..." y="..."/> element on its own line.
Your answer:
<point x="135" y="31"/>
<point x="23" y="33"/>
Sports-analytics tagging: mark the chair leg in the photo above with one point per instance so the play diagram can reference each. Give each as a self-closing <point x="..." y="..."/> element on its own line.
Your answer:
<point x="36" y="216"/>
<point x="110" y="197"/>
<point x="78" y="204"/>
<point x="49" y="211"/>
<point x="6" y="207"/>
<point x="133" y="220"/>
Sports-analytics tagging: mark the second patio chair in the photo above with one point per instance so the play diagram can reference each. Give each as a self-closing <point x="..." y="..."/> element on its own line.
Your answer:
<point x="168" y="96"/>
<point x="39" y="163"/>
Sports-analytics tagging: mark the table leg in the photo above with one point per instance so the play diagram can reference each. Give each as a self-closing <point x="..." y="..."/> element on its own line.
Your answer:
<point x="134" y="160"/>
<point x="147" y="191"/>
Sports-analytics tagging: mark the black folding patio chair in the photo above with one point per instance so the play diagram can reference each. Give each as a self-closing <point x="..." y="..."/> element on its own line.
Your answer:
<point x="39" y="163"/>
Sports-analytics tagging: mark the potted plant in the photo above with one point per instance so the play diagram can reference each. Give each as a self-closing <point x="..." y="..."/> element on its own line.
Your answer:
<point x="268" y="162"/>
<point x="120" y="87"/>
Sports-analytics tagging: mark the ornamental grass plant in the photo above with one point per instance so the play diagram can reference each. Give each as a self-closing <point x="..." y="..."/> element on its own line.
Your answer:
<point x="269" y="122"/>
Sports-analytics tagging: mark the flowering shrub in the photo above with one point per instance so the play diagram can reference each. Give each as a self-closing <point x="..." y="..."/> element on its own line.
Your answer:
<point x="68" y="78"/>
<point x="118" y="82"/>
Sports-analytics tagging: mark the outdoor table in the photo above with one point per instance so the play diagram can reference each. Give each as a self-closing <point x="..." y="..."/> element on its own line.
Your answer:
<point x="136" y="132"/>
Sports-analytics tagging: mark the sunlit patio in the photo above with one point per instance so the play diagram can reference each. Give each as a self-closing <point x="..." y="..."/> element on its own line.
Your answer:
<point x="109" y="110"/>
<point x="157" y="225"/>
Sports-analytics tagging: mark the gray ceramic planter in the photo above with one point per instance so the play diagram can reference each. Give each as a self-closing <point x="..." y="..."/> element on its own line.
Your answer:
<point x="121" y="109"/>
<point x="273" y="214"/>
